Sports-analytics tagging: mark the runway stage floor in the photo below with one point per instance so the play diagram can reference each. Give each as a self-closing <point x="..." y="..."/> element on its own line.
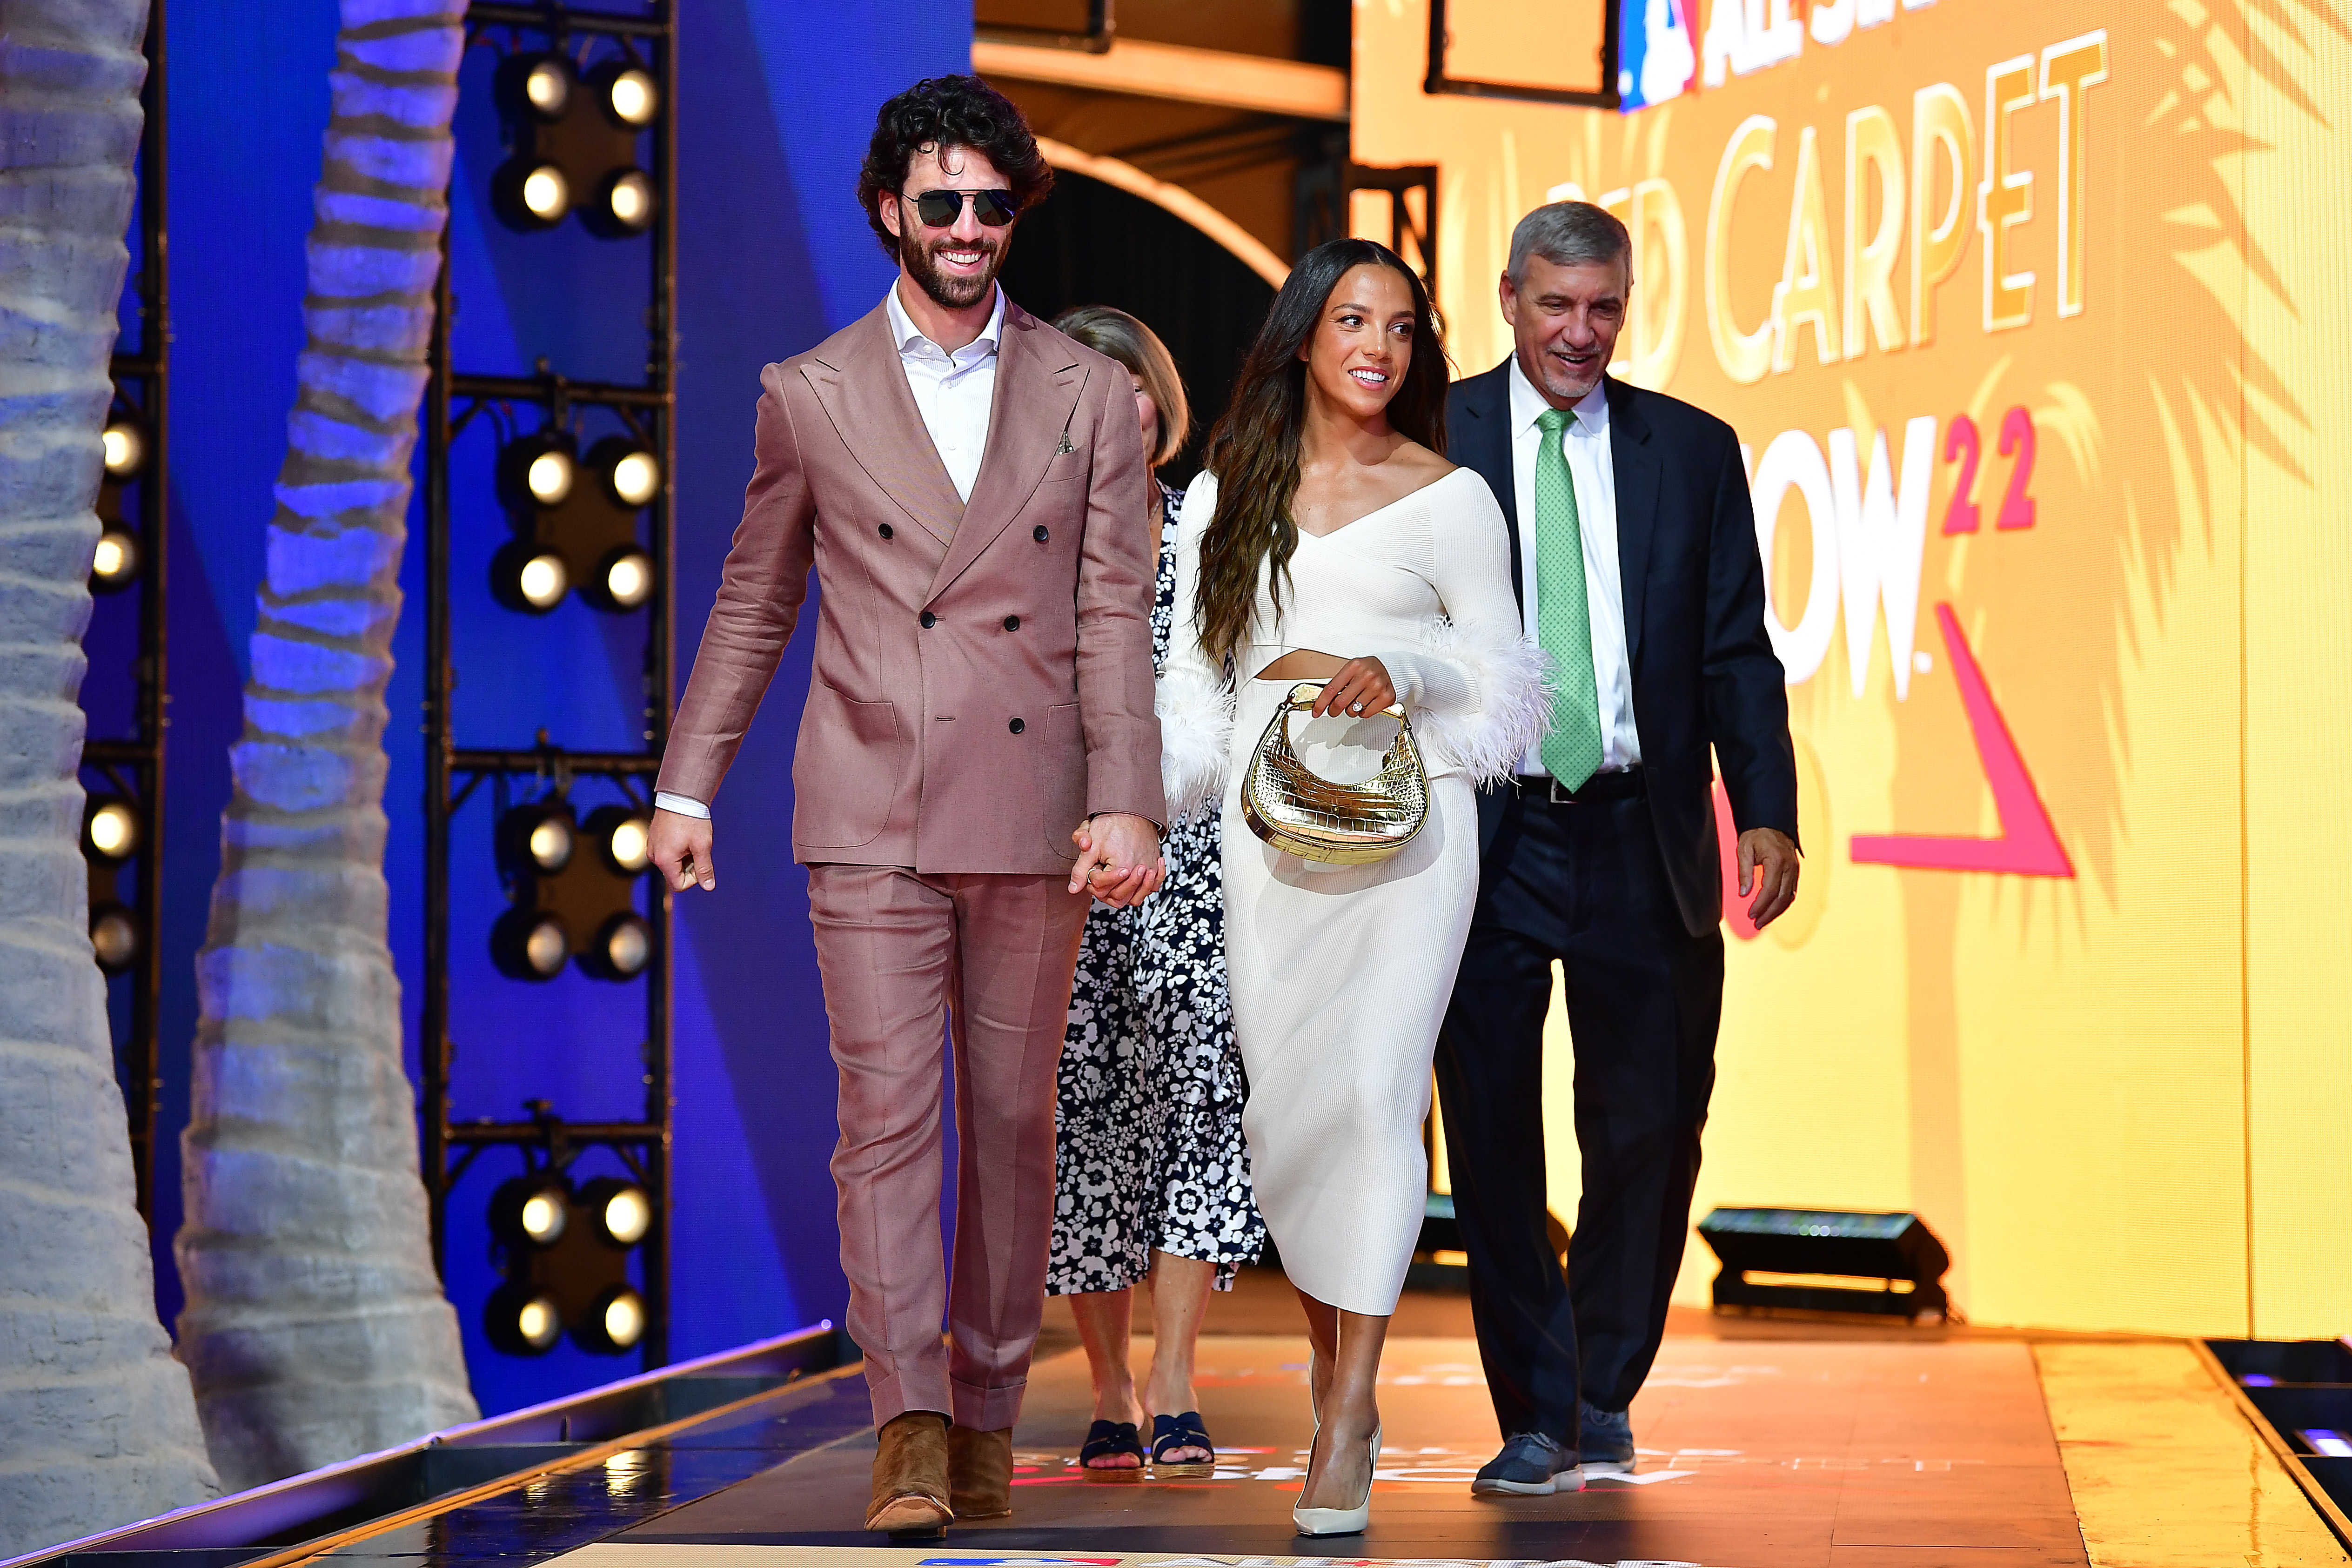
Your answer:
<point x="1843" y="1448"/>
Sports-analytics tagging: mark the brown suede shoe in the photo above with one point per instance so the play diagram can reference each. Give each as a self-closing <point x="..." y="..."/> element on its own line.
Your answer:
<point x="980" y="1472"/>
<point x="910" y="1474"/>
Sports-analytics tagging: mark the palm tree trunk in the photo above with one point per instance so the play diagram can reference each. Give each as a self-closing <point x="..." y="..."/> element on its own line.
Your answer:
<point x="96" y="1423"/>
<point x="315" y="1325"/>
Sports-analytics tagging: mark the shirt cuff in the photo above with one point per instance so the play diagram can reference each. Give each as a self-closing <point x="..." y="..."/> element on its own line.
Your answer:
<point x="682" y="805"/>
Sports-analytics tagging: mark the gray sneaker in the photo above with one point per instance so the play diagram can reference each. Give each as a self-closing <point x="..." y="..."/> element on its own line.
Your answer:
<point x="1530" y="1465"/>
<point x="1604" y="1443"/>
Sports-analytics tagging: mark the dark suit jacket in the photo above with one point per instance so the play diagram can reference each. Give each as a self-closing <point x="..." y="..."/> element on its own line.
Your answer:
<point x="1703" y="671"/>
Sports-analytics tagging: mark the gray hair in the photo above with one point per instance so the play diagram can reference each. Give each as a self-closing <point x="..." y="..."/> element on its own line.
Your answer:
<point x="1569" y="234"/>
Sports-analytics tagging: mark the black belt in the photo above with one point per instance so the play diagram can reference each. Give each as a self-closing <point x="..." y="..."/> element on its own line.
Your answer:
<point x="1625" y="784"/>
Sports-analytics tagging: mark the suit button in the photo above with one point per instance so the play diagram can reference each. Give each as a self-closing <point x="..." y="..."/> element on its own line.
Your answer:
<point x="1013" y="623"/>
<point x="1040" y="535"/>
<point x="1016" y="726"/>
<point x="884" y="530"/>
<point x="930" y="620"/>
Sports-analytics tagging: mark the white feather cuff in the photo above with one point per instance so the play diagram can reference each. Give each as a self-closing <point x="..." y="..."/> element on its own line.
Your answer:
<point x="1512" y="682"/>
<point x="1196" y="740"/>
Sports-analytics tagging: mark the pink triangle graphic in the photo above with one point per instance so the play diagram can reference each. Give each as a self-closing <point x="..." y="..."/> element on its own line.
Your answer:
<point x="2028" y="844"/>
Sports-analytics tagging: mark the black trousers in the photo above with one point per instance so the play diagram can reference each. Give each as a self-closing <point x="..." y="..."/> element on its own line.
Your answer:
<point x="1584" y="885"/>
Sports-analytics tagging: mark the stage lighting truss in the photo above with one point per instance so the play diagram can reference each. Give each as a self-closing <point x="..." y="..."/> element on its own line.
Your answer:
<point x="565" y="1250"/>
<point x="575" y="143"/>
<point x="575" y="520"/>
<point x="586" y="100"/>
<point x="573" y="886"/>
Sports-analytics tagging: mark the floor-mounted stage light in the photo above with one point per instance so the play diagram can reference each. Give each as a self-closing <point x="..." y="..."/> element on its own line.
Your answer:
<point x="575" y="522"/>
<point x="574" y="150"/>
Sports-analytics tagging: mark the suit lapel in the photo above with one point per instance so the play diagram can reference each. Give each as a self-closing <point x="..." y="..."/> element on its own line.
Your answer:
<point x="1038" y="387"/>
<point x="1635" y="461"/>
<point x="866" y="398"/>
<point x="1484" y="447"/>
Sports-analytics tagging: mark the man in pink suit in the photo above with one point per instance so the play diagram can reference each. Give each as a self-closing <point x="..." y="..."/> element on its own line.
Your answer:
<point x="978" y="752"/>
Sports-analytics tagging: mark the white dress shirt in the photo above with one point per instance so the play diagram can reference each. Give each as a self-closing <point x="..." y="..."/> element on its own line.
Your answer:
<point x="955" y="394"/>
<point x="1585" y="442"/>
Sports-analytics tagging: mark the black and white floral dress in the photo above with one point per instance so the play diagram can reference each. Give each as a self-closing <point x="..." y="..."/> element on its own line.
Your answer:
<point x="1149" y="1154"/>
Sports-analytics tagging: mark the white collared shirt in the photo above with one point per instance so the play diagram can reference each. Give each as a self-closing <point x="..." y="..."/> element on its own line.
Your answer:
<point x="953" y="391"/>
<point x="1585" y="443"/>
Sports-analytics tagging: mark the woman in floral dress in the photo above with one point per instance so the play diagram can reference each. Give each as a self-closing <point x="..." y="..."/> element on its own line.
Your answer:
<point x="1151" y="1177"/>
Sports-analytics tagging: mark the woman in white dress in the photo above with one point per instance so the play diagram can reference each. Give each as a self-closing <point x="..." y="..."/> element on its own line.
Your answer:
<point x="1328" y="539"/>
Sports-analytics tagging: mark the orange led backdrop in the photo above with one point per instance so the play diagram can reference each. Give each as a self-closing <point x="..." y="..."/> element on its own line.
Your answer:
<point x="2034" y="323"/>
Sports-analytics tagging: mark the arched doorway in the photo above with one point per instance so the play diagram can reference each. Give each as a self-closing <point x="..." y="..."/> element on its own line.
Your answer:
<point x="1090" y="243"/>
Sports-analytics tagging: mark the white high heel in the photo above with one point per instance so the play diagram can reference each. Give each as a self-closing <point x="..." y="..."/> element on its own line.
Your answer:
<point x="1340" y="1521"/>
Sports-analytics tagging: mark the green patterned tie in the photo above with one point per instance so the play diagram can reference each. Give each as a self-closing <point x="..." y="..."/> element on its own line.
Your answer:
<point x="1571" y="753"/>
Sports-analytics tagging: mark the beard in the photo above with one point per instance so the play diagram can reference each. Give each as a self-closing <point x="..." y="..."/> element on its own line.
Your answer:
<point x="920" y="257"/>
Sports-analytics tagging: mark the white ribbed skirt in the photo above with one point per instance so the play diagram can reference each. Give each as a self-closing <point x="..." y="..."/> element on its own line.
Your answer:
<point x="1340" y="976"/>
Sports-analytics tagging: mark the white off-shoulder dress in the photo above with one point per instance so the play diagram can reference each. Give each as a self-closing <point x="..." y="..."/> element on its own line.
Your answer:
<point x="1340" y="973"/>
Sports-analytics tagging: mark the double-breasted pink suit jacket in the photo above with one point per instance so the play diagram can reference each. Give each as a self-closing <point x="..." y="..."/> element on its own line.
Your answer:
<point x="982" y="677"/>
<point x="982" y="681"/>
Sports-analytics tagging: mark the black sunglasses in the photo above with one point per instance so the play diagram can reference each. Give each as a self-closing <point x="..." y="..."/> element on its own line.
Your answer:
<point x="940" y="209"/>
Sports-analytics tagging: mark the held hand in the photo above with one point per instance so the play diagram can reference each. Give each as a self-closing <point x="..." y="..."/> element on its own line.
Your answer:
<point x="680" y="846"/>
<point x="1118" y="859"/>
<point x="1362" y="686"/>
<point x="1768" y="867"/>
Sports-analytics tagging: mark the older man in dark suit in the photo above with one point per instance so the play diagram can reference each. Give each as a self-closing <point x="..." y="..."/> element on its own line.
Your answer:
<point x="1634" y="549"/>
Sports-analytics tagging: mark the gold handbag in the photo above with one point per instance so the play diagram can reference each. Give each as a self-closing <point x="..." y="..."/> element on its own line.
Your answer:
<point x="1301" y="813"/>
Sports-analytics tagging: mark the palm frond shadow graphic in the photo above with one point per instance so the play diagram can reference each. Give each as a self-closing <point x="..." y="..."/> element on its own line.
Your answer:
<point x="2165" y="436"/>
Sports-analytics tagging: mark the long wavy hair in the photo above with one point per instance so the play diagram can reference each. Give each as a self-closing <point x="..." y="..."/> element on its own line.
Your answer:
<point x="1253" y="451"/>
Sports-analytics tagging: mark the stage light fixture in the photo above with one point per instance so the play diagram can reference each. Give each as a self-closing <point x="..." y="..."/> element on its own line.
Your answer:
<point x="537" y="836"/>
<point x="615" y="1324"/>
<point x="529" y="578"/>
<point x="114" y="566"/>
<point x="626" y="92"/>
<point x="522" y="1320"/>
<point x="618" y="832"/>
<point x="109" y="828"/>
<point x="631" y="474"/>
<point x="626" y="581"/>
<point x="575" y="150"/>
<point x="546" y="84"/>
<point x="114" y="937"/>
<point x="624" y="945"/>
<point x="529" y="944"/>
<point x="529" y="193"/>
<point x="622" y="1211"/>
<point x="123" y="448"/>
<point x="624" y="204"/>
<point x="531" y="1210"/>
<point x="575" y="521"/>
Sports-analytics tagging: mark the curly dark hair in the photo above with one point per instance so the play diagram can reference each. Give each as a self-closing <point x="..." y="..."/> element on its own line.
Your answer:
<point x="950" y="111"/>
